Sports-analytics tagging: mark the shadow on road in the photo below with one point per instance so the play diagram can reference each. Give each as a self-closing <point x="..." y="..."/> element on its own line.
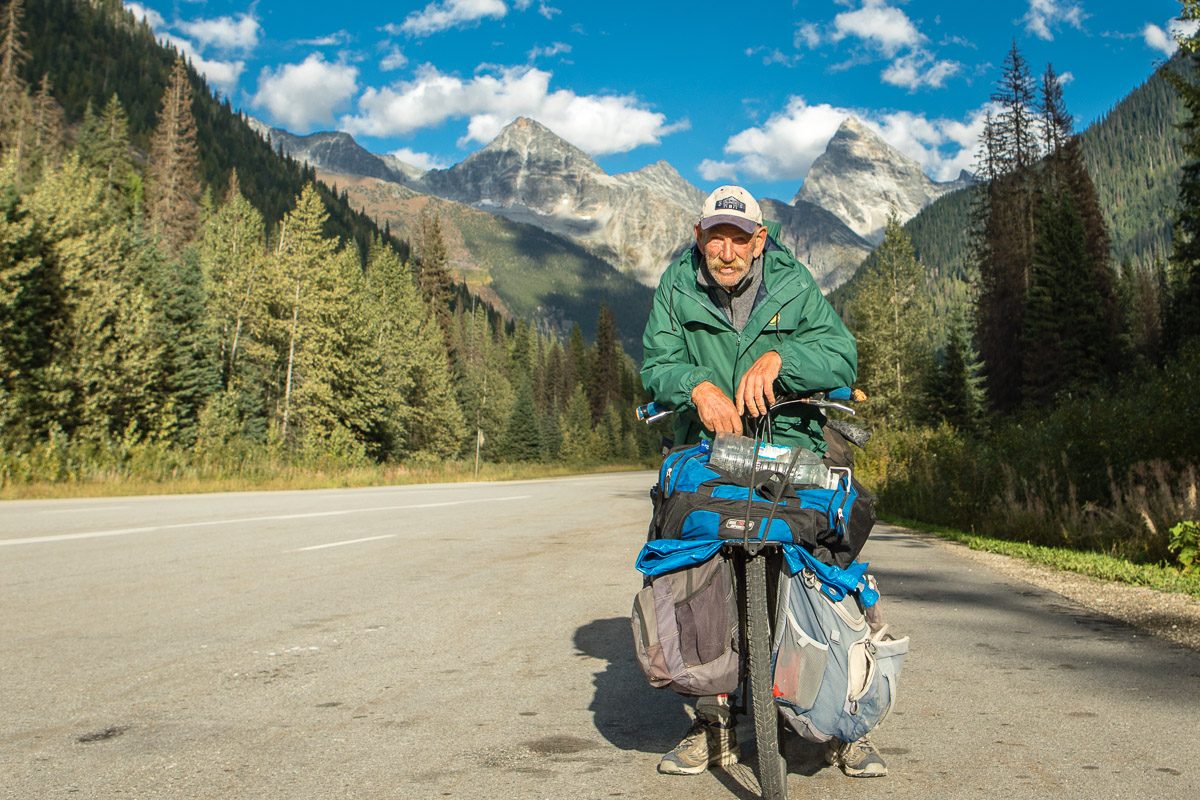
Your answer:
<point x="627" y="710"/>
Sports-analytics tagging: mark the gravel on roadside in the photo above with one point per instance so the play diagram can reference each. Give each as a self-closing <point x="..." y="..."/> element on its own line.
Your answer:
<point x="1175" y="617"/>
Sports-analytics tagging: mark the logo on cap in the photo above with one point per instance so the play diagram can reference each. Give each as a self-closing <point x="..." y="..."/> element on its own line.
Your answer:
<point x="730" y="204"/>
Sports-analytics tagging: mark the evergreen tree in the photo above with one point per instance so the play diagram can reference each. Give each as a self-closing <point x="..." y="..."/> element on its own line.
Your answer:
<point x="1005" y="224"/>
<point x="433" y="276"/>
<point x="889" y="313"/>
<point x="424" y="417"/>
<point x="1183" y="314"/>
<point x="522" y="439"/>
<point x="955" y="387"/>
<point x="105" y="364"/>
<point x="103" y="145"/>
<point x="604" y="377"/>
<point x="46" y="128"/>
<point x="173" y="178"/>
<point x="15" y="106"/>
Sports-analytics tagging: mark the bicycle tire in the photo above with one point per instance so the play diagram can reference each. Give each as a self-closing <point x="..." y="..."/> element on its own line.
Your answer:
<point x="772" y="774"/>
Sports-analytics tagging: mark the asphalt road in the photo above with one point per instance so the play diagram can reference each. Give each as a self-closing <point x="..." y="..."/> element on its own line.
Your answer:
<point x="471" y="641"/>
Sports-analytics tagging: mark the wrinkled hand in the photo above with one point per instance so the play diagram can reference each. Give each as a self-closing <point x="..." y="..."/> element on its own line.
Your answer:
<point x="716" y="410"/>
<point x="756" y="390"/>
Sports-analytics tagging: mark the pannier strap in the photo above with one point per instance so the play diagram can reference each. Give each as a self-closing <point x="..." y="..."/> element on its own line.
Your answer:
<point x="661" y="556"/>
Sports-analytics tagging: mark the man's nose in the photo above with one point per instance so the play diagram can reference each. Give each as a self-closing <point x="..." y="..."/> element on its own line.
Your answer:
<point x="727" y="250"/>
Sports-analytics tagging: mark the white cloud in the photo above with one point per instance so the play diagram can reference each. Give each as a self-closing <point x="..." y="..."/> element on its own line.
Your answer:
<point x="224" y="33"/>
<point x="716" y="170"/>
<point x="451" y="14"/>
<point x="1066" y="78"/>
<point x="547" y="11"/>
<point x="395" y="59"/>
<point x="336" y="38"/>
<point x="151" y="17"/>
<point x="300" y="96"/>
<point x="807" y="34"/>
<point x="224" y="75"/>
<point x="918" y="68"/>
<point x="889" y="29"/>
<point x="785" y="147"/>
<point x="423" y="161"/>
<point x="1167" y="41"/>
<point x="1046" y="14"/>
<point x="599" y="124"/>
<point x="549" y="52"/>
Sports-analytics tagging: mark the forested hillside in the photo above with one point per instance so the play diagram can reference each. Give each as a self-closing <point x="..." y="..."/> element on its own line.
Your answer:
<point x="177" y="299"/>
<point x="1134" y="155"/>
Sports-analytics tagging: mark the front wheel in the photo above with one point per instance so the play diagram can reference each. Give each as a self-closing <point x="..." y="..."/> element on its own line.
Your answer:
<point x="772" y="771"/>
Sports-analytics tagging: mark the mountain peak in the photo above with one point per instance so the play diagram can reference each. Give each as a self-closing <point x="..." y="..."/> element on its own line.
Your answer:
<point x="863" y="180"/>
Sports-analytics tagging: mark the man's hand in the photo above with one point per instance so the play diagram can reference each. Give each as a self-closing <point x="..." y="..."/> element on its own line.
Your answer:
<point x="756" y="390"/>
<point x="716" y="410"/>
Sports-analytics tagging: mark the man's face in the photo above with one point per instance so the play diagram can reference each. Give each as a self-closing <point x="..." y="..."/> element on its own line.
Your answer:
<point x="728" y="251"/>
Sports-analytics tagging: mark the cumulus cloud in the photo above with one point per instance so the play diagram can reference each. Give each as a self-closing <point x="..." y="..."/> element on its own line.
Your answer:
<point x="599" y="124"/>
<point x="1043" y="15"/>
<point x="423" y="161"/>
<point x="451" y="14"/>
<point x="1167" y="41"/>
<point x="224" y="33"/>
<point x="785" y="146"/>
<point x="149" y="15"/>
<point x="888" y="29"/>
<point x="300" y="96"/>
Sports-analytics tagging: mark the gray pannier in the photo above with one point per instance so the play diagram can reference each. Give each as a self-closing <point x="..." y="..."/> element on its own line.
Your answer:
<point x="685" y="629"/>
<point x="835" y="674"/>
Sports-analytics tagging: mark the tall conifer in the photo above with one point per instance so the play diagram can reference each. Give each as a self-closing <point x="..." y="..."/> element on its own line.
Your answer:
<point x="173" y="178"/>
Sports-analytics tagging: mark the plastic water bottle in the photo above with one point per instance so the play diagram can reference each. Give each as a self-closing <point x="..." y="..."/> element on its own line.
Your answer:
<point x="734" y="455"/>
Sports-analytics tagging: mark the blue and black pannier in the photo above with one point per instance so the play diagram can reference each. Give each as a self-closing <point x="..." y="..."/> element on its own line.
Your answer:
<point x="695" y="501"/>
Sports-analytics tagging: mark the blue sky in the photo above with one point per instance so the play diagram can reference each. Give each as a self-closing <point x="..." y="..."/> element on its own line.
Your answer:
<point x="746" y="92"/>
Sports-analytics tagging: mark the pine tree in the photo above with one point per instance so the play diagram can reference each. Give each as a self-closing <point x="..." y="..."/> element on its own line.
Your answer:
<point x="1005" y="225"/>
<point x="424" y="417"/>
<point x="1183" y="310"/>
<point x="604" y="377"/>
<point x="889" y="313"/>
<point x="103" y="145"/>
<point x="46" y="128"/>
<point x="105" y="364"/>
<point x="15" y="105"/>
<point x="522" y="440"/>
<point x="955" y="388"/>
<point x="433" y="276"/>
<point x="173" y="178"/>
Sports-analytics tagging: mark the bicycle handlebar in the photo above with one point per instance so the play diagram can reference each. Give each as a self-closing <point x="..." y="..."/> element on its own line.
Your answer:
<point x="822" y="398"/>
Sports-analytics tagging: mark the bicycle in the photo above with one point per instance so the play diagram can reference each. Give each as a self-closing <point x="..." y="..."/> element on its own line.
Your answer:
<point x="750" y="556"/>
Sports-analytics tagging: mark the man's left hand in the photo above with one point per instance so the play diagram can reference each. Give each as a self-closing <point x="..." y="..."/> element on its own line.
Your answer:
<point x="756" y="391"/>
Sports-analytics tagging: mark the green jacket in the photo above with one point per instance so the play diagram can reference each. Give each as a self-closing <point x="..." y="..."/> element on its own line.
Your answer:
<point x="689" y="340"/>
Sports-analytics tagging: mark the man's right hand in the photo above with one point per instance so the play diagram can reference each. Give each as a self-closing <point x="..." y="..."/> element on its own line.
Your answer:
<point x="717" y="412"/>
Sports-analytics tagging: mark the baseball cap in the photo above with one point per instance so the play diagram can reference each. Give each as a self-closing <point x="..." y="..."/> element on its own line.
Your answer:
<point x="731" y="205"/>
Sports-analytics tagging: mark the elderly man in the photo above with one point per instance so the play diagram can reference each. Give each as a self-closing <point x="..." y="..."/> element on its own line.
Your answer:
<point x="734" y="319"/>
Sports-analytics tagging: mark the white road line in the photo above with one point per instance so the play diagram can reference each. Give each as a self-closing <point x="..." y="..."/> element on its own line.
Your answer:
<point x="339" y="544"/>
<point x="66" y="537"/>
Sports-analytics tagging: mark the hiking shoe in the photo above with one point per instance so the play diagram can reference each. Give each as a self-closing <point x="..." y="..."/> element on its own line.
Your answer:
<point x="706" y="744"/>
<point x="857" y="759"/>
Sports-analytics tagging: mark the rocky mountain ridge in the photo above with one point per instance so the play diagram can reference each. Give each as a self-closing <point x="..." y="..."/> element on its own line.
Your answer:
<point x="638" y="221"/>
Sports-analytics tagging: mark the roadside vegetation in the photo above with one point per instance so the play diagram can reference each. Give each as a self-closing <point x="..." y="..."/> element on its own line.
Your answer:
<point x="1058" y="419"/>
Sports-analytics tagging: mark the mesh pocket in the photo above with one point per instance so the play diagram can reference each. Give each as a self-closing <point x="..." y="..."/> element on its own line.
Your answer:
<point x="799" y="667"/>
